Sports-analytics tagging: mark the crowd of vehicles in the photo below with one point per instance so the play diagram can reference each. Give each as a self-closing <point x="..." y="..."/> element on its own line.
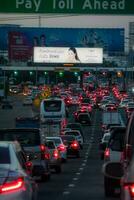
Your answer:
<point x="50" y="138"/>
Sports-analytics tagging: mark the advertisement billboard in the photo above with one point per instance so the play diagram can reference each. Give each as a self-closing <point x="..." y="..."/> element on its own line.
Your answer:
<point x="67" y="55"/>
<point x="19" y="50"/>
<point x="110" y="39"/>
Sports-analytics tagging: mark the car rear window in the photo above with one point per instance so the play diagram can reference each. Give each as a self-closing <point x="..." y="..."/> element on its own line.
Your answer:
<point x="25" y="138"/>
<point x="72" y="133"/>
<point x="4" y="155"/>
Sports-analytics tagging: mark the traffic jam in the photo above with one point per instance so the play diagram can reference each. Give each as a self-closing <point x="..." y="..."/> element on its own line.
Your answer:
<point x="65" y="127"/>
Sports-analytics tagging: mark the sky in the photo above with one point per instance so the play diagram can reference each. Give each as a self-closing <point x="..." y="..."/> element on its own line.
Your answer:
<point x="74" y="21"/>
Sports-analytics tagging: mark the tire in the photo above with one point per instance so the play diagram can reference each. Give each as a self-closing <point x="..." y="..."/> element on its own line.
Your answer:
<point x="58" y="169"/>
<point x="108" y="187"/>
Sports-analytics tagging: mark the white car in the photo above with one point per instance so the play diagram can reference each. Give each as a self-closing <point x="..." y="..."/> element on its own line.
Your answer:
<point x="77" y="135"/>
<point x="60" y="145"/>
<point x="16" y="183"/>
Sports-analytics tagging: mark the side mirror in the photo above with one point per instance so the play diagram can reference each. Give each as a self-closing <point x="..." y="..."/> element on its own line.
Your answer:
<point x="113" y="170"/>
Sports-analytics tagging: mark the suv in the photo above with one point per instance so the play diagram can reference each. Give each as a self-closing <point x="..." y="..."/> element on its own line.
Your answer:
<point x="15" y="173"/>
<point x="32" y="140"/>
<point x="121" y="173"/>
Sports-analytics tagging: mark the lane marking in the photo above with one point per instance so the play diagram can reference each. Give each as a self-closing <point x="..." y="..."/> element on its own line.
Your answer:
<point x="71" y="185"/>
<point x="75" y="179"/>
<point x="66" y="193"/>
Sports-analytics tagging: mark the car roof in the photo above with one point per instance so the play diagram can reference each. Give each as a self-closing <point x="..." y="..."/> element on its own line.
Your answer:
<point x="16" y="144"/>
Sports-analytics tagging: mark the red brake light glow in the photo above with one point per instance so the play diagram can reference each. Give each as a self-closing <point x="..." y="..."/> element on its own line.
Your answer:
<point x="61" y="148"/>
<point x="130" y="187"/>
<point x="107" y="152"/>
<point x="12" y="186"/>
<point x="42" y="147"/>
<point x="56" y="154"/>
<point x="75" y="145"/>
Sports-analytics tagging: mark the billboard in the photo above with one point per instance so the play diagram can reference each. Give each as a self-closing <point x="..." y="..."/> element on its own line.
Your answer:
<point x="67" y="55"/>
<point x="19" y="50"/>
<point x="110" y="39"/>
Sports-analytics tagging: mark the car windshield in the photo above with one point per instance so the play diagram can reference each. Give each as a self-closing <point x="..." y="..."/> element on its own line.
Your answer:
<point x="75" y="133"/>
<point x="50" y="106"/>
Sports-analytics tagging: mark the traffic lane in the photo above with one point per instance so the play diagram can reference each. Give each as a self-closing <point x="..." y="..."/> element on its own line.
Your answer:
<point x="89" y="185"/>
<point x="59" y="183"/>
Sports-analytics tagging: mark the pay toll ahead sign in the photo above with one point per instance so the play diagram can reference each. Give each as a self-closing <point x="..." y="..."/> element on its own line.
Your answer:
<point x="117" y="7"/>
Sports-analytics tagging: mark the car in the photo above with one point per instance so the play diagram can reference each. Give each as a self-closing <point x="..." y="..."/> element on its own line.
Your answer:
<point x="72" y="145"/>
<point x="84" y="118"/>
<point x="114" y="154"/>
<point x="113" y="151"/>
<point x="16" y="182"/>
<point x="77" y="135"/>
<point x="76" y="126"/>
<point x="54" y="156"/>
<point x="32" y="140"/>
<point x="60" y="146"/>
<point x="103" y="144"/>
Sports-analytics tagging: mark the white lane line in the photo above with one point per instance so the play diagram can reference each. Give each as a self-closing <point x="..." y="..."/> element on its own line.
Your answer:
<point x="81" y="168"/>
<point x="71" y="185"/>
<point x="83" y="165"/>
<point x="85" y="160"/>
<point x="66" y="193"/>
<point x="75" y="179"/>
<point x="78" y="173"/>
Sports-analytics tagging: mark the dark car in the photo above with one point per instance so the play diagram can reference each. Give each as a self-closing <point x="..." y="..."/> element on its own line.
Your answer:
<point x="32" y="141"/>
<point x="73" y="147"/>
<point x="84" y="118"/>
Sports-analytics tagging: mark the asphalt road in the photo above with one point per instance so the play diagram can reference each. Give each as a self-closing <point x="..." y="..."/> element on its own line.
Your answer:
<point x="81" y="178"/>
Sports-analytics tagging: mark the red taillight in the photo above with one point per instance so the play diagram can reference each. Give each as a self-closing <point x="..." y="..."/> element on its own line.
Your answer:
<point x="61" y="147"/>
<point x="29" y="164"/>
<point x="55" y="154"/>
<point x="12" y="186"/>
<point x="107" y="152"/>
<point x="75" y="145"/>
<point x="130" y="188"/>
<point x="47" y="156"/>
<point x="42" y="147"/>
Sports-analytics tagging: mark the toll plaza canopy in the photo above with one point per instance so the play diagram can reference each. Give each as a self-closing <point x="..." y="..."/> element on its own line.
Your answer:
<point x="112" y="7"/>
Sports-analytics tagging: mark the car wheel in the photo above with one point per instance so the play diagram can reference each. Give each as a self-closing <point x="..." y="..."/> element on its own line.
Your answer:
<point x="58" y="169"/>
<point x="108" y="187"/>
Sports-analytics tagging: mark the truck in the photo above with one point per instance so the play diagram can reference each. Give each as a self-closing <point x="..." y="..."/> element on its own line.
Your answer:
<point x="111" y="118"/>
<point x="51" y="127"/>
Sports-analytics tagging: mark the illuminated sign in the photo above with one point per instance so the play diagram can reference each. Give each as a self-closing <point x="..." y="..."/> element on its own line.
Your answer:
<point x="67" y="55"/>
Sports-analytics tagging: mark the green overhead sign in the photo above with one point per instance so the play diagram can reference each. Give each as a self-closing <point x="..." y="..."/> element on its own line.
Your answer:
<point x="115" y="7"/>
